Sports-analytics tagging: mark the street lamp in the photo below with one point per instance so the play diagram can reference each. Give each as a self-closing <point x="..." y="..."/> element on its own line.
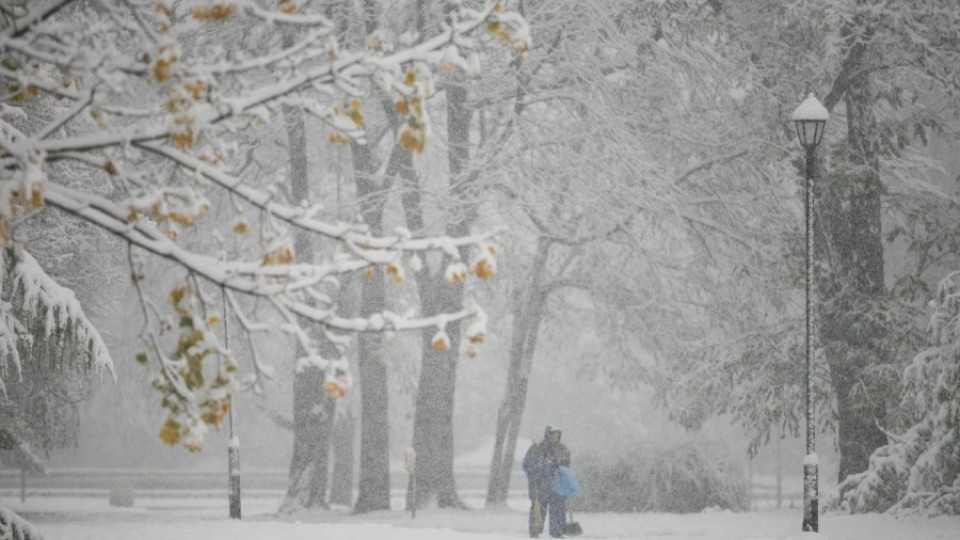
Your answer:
<point x="811" y="118"/>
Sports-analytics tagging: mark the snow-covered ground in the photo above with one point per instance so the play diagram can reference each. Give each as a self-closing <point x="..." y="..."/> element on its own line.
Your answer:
<point x="185" y="518"/>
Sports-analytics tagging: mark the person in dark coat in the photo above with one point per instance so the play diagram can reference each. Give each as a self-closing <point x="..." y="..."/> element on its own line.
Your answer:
<point x="540" y="464"/>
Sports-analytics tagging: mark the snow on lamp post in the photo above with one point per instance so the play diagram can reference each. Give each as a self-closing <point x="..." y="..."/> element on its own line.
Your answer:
<point x="811" y="119"/>
<point x="233" y="448"/>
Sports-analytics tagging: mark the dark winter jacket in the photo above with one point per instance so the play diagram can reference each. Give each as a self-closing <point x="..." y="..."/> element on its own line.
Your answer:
<point x="541" y="462"/>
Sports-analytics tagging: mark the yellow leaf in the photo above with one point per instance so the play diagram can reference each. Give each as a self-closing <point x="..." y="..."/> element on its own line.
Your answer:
<point x="395" y="272"/>
<point x="240" y="227"/>
<point x="337" y="137"/>
<point x="281" y="255"/>
<point x="170" y="432"/>
<point x="161" y="69"/>
<point x="412" y="140"/>
<point x="214" y="320"/>
<point x="216" y="12"/>
<point x="182" y="140"/>
<point x="401" y="107"/>
<point x="356" y="116"/>
<point x="195" y="88"/>
<point x="182" y="219"/>
<point x="176" y="295"/>
<point x="36" y="198"/>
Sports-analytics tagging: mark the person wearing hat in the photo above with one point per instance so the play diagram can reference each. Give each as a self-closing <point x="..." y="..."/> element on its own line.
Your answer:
<point x="540" y="464"/>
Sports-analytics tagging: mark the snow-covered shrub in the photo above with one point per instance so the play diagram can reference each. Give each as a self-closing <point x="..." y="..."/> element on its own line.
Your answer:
<point x="121" y="494"/>
<point x="608" y="485"/>
<point x="688" y="477"/>
<point x="919" y="470"/>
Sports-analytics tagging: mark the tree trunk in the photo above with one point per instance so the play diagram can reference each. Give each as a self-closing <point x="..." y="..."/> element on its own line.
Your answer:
<point x="433" y="418"/>
<point x="851" y="210"/>
<point x="526" y="326"/>
<point x="341" y="485"/>
<point x="312" y="422"/>
<point x="374" y="489"/>
<point x="312" y="408"/>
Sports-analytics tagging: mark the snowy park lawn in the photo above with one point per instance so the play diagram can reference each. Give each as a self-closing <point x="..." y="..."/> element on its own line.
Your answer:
<point x="75" y="518"/>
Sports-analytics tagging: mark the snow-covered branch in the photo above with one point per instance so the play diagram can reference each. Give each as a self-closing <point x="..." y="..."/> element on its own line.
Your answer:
<point x="152" y="105"/>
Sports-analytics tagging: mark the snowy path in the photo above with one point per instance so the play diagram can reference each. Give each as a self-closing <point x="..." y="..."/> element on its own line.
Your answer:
<point x="202" y="519"/>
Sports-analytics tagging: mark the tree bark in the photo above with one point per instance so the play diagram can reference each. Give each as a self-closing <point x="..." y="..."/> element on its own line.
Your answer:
<point x="433" y="417"/>
<point x="526" y="326"/>
<point x="851" y="212"/>
<point x="374" y="489"/>
<point x="341" y="484"/>
<point x="312" y="408"/>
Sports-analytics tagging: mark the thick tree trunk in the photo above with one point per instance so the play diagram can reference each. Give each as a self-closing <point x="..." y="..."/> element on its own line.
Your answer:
<point x="312" y="408"/>
<point x="433" y="420"/>
<point x="374" y="489"/>
<point x="851" y="209"/>
<point x="312" y="423"/>
<point x="341" y="484"/>
<point x="526" y="326"/>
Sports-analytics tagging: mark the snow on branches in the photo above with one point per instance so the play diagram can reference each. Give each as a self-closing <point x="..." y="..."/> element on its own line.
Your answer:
<point x="161" y="100"/>
<point x="919" y="470"/>
<point x="40" y="317"/>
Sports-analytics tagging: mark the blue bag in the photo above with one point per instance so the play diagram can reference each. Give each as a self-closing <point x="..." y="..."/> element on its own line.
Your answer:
<point x="565" y="484"/>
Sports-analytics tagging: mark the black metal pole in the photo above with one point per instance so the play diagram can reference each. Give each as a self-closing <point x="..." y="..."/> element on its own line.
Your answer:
<point x="233" y="449"/>
<point x="810" y="464"/>
<point x="233" y="459"/>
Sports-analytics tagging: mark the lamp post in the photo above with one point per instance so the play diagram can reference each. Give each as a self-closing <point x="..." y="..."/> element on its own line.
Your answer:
<point x="233" y="448"/>
<point x="811" y="118"/>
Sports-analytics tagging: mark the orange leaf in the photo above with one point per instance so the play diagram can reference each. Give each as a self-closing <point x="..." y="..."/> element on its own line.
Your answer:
<point x="440" y="343"/>
<point x="335" y="389"/>
<point x="483" y="270"/>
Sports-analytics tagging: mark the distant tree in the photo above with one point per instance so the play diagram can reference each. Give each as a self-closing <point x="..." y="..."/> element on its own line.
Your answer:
<point x="47" y="349"/>
<point x="883" y="71"/>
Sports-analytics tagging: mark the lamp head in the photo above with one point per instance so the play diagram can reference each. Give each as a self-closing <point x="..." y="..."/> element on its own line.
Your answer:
<point x="811" y="119"/>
